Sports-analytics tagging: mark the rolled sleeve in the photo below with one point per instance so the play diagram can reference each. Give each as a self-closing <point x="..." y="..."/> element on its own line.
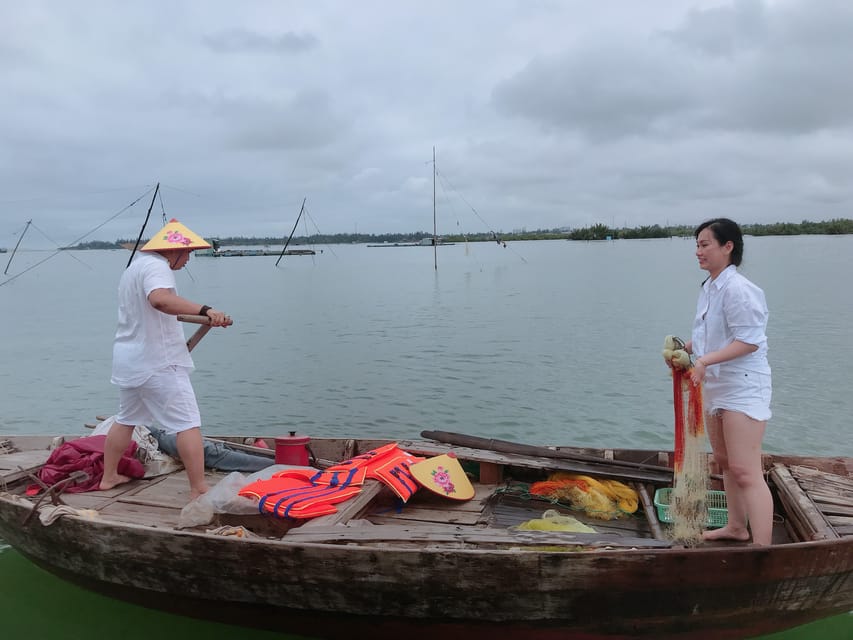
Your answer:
<point x="746" y="311"/>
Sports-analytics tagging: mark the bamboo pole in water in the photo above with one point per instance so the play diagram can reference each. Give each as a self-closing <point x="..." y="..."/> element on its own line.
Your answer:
<point x="291" y="231"/>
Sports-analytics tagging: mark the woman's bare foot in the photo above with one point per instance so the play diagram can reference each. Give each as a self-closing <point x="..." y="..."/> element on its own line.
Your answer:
<point x="726" y="533"/>
<point x="113" y="481"/>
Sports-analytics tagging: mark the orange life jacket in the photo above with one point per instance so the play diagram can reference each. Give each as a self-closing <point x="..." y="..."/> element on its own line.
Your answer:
<point x="308" y="493"/>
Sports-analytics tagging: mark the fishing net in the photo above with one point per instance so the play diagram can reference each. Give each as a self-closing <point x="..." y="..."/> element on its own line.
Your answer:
<point x="601" y="499"/>
<point x="687" y="508"/>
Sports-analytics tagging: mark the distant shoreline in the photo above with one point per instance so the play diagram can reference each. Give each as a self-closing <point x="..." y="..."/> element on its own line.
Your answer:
<point x="842" y="226"/>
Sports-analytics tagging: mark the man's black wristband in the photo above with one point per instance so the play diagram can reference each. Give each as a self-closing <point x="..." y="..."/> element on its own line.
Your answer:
<point x="204" y="310"/>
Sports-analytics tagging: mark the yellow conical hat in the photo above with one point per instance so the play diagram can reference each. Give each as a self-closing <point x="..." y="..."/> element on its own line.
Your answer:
<point x="443" y="475"/>
<point x="175" y="236"/>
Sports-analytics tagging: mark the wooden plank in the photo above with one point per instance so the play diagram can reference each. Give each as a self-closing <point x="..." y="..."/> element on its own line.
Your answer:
<point x="815" y="526"/>
<point x="351" y="508"/>
<point x="18" y="465"/>
<point x="822" y="477"/>
<point x="491" y="473"/>
<point x="426" y="515"/>
<point x="516" y="448"/>
<point x="505" y="446"/>
<point x="476" y="536"/>
<point x="427" y="499"/>
<point x="813" y="475"/>
<point x="796" y="523"/>
<point x="828" y="486"/>
<point x="96" y="500"/>
<point x="600" y="469"/>
<point x="829" y="498"/>
<point x="835" y="510"/>
<point x="650" y="510"/>
<point x="168" y="502"/>
<point x="151" y="516"/>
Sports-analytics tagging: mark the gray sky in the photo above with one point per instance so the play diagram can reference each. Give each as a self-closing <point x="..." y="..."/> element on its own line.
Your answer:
<point x="543" y="113"/>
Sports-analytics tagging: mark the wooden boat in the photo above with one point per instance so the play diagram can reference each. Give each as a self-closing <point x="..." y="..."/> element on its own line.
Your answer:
<point x="436" y="566"/>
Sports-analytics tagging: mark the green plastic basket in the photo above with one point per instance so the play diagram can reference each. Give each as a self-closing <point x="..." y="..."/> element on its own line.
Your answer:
<point x="715" y="502"/>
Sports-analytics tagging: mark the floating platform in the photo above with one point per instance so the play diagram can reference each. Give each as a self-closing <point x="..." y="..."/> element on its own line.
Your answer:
<point x="230" y="253"/>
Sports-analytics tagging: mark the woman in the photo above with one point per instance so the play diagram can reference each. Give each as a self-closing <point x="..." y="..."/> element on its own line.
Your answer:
<point x="730" y="348"/>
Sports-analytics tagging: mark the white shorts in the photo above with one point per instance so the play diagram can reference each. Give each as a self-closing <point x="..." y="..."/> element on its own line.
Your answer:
<point x="166" y="398"/>
<point x="745" y="391"/>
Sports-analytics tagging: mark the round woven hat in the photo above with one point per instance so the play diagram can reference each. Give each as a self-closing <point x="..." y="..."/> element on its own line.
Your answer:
<point x="443" y="475"/>
<point x="175" y="236"/>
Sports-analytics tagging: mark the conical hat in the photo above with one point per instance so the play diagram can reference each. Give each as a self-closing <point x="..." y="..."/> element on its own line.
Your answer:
<point x="443" y="475"/>
<point x="175" y="236"/>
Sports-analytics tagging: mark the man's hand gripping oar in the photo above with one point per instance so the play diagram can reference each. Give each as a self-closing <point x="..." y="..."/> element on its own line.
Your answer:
<point x="206" y="323"/>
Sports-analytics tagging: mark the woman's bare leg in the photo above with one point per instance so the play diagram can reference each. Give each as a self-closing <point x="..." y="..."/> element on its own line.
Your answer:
<point x="747" y="494"/>
<point x="735" y="529"/>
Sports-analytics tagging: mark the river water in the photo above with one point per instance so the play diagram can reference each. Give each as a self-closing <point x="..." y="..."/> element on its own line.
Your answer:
<point x="549" y="342"/>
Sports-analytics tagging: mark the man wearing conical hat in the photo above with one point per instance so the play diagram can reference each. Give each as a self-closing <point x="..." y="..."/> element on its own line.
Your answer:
<point x="151" y="361"/>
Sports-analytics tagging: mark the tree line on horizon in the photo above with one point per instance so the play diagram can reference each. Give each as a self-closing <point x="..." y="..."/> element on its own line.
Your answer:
<point x="836" y="226"/>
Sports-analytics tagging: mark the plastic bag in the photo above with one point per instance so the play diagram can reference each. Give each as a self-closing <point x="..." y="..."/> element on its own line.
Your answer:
<point x="553" y="520"/>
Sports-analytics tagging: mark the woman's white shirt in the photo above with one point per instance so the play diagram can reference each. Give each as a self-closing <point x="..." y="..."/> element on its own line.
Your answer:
<point x="730" y="308"/>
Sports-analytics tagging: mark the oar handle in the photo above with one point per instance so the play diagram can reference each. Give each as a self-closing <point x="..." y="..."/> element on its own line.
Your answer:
<point x="201" y="331"/>
<point x="197" y="319"/>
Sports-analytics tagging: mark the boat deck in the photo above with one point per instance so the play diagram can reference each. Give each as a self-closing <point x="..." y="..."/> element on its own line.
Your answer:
<point x="810" y="505"/>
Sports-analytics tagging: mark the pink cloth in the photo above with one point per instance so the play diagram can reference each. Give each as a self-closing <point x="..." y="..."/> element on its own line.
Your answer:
<point x="84" y="454"/>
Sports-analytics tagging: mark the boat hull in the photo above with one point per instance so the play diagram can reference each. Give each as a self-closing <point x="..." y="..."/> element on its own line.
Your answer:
<point x="326" y="590"/>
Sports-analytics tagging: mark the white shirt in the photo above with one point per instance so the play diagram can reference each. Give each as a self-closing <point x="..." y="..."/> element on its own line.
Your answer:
<point x="731" y="308"/>
<point x="146" y="340"/>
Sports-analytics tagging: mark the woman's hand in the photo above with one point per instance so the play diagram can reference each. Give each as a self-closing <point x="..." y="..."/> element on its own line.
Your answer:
<point x="697" y="373"/>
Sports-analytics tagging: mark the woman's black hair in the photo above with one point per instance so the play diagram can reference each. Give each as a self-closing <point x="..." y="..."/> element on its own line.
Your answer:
<point x="725" y="230"/>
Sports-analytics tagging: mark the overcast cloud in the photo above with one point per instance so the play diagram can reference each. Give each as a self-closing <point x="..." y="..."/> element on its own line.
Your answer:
<point x="543" y="113"/>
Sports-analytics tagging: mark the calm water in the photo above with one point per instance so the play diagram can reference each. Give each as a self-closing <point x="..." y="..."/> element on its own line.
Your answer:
<point x="541" y="342"/>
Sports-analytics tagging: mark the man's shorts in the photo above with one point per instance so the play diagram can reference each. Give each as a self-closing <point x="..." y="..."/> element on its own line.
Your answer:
<point x="166" y="399"/>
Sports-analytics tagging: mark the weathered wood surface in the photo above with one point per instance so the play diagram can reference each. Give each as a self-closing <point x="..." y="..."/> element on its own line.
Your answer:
<point x="602" y="469"/>
<point x="505" y="446"/>
<point x="806" y="519"/>
<point x="498" y="576"/>
<point x="649" y="510"/>
<point x="435" y="534"/>
<point x="14" y="466"/>
<point x="831" y="494"/>
<point x="426" y="506"/>
<point x="607" y="456"/>
<point x="353" y="507"/>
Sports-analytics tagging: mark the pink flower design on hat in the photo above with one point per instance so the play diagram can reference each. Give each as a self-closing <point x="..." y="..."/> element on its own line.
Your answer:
<point x="176" y="237"/>
<point x="441" y="477"/>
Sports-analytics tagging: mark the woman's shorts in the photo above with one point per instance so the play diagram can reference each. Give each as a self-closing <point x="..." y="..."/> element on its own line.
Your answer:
<point x="745" y="391"/>
<point x="166" y="399"/>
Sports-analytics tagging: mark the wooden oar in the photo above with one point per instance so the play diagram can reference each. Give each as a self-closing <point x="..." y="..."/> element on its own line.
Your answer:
<point x="505" y="446"/>
<point x="204" y="321"/>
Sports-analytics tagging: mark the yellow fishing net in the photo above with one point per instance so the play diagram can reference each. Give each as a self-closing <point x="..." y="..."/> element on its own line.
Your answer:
<point x="602" y="499"/>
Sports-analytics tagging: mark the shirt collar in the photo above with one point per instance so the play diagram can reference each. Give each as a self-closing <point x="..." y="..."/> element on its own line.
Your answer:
<point x="721" y="280"/>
